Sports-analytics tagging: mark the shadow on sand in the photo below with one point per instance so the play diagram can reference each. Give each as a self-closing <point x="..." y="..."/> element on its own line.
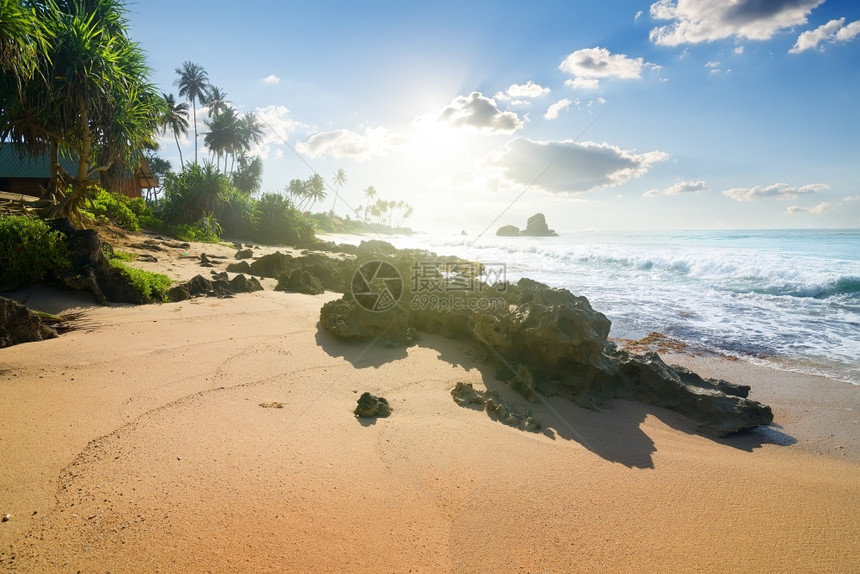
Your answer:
<point x="613" y="432"/>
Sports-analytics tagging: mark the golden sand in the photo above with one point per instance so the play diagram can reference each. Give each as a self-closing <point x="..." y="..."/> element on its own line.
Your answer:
<point x="218" y="435"/>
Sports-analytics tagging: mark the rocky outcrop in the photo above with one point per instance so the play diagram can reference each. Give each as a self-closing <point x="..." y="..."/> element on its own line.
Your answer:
<point x="465" y="395"/>
<point x="370" y="406"/>
<point x="329" y="273"/>
<point x="219" y="286"/>
<point x="89" y="269"/>
<point x="535" y="227"/>
<point x="550" y="341"/>
<point x="20" y="325"/>
<point x="508" y="231"/>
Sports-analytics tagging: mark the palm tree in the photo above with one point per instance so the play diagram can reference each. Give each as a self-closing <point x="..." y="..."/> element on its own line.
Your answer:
<point x="223" y="137"/>
<point x="252" y="129"/>
<point x="215" y="99"/>
<point x="175" y="118"/>
<point x="192" y="83"/>
<point x="339" y="179"/>
<point x="316" y="189"/>
<point x="370" y="192"/>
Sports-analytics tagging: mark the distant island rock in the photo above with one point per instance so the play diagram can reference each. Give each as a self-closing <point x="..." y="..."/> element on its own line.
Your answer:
<point x="535" y="227"/>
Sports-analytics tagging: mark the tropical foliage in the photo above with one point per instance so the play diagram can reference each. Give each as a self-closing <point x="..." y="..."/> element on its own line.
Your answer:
<point x="305" y="193"/>
<point x="30" y="251"/>
<point x="72" y="82"/>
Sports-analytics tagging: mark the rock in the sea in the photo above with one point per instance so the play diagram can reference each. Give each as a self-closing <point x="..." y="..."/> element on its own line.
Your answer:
<point x="537" y="227"/>
<point x="20" y="325"/>
<point x="370" y="406"/>
<point x="508" y="231"/>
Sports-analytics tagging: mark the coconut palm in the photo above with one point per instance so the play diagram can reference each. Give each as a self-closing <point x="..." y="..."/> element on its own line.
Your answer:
<point x="215" y="99"/>
<point x="223" y="137"/>
<point x="175" y="118"/>
<point x="339" y="180"/>
<point x="251" y="129"/>
<point x="193" y="82"/>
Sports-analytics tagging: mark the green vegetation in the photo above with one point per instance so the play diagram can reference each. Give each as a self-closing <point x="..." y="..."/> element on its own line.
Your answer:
<point x="73" y="83"/>
<point x="30" y="251"/>
<point x="126" y="212"/>
<point x="153" y="286"/>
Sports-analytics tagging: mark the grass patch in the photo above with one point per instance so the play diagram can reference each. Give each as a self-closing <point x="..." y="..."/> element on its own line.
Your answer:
<point x="153" y="286"/>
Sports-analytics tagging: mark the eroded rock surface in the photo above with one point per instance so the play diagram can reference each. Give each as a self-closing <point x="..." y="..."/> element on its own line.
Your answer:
<point x="20" y="325"/>
<point x="550" y="341"/>
<point x="370" y="406"/>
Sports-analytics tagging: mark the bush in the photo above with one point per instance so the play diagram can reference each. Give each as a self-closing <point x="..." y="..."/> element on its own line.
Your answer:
<point x="193" y="192"/>
<point x="191" y="232"/>
<point x="153" y="286"/>
<point x="126" y="212"/>
<point x="29" y="250"/>
<point x="280" y="223"/>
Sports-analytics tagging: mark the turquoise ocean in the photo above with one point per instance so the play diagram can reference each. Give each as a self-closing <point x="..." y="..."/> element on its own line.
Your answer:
<point x="789" y="299"/>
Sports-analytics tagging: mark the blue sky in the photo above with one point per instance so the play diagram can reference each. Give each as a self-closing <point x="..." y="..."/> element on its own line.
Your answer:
<point x="602" y="115"/>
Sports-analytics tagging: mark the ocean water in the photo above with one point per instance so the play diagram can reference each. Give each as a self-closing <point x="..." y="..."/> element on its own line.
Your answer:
<point x="790" y="299"/>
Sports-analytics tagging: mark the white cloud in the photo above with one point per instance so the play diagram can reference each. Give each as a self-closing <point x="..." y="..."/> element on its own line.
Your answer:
<point x="830" y="33"/>
<point x="819" y="209"/>
<point x="553" y="110"/>
<point x="277" y="127"/>
<point x="271" y="80"/>
<point x="695" y="21"/>
<point x="777" y="191"/>
<point x="583" y="83"/>
<point x="590" y="65"/>
<point x="680" y="188"/>
<point x="738" y="51"/>
<point x="527" y="90"/>
<point x="374" y="142"/>
<point x="481" y="113"/>
<point x="567" y="166"/>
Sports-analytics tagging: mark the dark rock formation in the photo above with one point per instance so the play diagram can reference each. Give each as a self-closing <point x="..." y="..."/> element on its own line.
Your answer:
<point x="321" y="271"/>
<point x="465" y="395"/>
<point x="508" y="231"/>
<point x="218" y="287"/>
<point x="239" y="267"/>
<point x="370" y="406"/>
<point x="549" y="341"/>
<point x="300" y="281"/>
<point x="89" y="269"/>
<point x="20" y="325"/>
<point x="244" y="254"/>
<point x="535" y="227"/>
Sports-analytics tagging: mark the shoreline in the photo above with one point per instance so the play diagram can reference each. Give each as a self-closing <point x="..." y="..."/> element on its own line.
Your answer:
<point x="144" y="428"/>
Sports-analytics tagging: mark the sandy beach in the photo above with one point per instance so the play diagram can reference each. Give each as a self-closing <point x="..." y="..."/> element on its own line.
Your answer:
<point x="218" y="435"/>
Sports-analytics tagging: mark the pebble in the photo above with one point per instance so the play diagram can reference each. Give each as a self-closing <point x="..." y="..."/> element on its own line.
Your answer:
<point x="7" y="517"/>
